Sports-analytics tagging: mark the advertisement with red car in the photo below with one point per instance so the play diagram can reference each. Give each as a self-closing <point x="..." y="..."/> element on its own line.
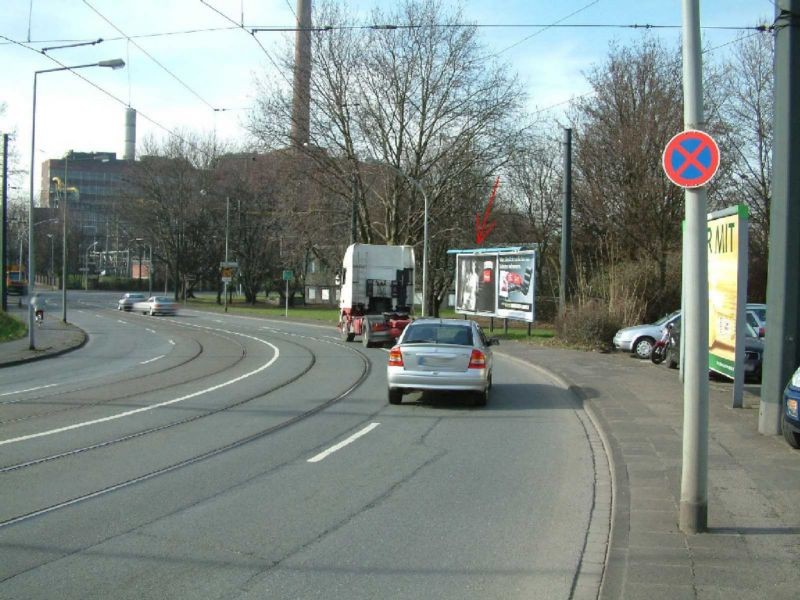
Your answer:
<point x="496" y="284"/>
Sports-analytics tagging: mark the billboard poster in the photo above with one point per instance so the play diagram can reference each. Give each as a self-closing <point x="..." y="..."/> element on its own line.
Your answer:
<point x="515" y="286"/>
<point x="496" y="284"/>
<point x="476" y="283"/>
<point x="727" y="257"/>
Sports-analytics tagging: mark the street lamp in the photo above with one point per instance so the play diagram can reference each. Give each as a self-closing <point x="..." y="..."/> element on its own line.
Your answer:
<point x="149" y="266"/>
<point x="50" y="237"/>
<point x="112" y="64"/>
<point x="86" y="265"/>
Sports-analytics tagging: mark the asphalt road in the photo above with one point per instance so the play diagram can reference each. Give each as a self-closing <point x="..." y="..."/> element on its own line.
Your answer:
<point x="214" y="456"/>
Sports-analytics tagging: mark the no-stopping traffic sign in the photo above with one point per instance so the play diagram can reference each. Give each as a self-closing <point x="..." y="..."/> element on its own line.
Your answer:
<point x="691" y="158"/>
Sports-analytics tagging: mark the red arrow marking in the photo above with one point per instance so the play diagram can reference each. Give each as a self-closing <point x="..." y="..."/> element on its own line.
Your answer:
<point x="482" y="227"/>
<point x="691" y="159"/>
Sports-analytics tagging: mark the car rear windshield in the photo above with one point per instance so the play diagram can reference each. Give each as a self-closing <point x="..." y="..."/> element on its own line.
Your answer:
<point x="439" y="334"/>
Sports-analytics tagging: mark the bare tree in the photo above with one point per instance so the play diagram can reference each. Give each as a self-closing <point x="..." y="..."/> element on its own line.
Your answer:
<point x="747" y="113"/>
<point x="621" y="193"/>
<point x="171" y="206"/>
<point x="396" y="107"/>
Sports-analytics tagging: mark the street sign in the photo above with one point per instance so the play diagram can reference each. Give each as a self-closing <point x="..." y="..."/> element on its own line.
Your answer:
<point x="691" y="159"/>
<point x="230" y="264"/>
<point x="287" y="275"/>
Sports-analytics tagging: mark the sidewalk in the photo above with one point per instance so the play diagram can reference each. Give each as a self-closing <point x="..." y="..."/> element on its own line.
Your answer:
<point x="52" y="338"/>
<point x="752" y="547"/>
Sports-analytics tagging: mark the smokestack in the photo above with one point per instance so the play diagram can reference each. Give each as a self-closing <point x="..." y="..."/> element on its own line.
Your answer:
<point x="302" y="75"/>
<point x="130" y="134"/>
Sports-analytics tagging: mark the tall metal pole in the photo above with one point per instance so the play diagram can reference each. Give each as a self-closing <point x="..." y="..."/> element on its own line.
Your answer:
<point x="566" y="224"/>
<point x="782" y="352"/>
<point x="424" y="255"/>
<point x="31" y="265"/>
<point x="64" y="245"/>
<point x="227" y="223"/>
<point x="694" y="479"/>
<point x="4" y="229"/>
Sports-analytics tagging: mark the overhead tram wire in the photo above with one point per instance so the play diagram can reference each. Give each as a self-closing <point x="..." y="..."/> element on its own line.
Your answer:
<point x="112" y="96"/>
<point x="150" y="56"/>
<point x="290" y="28"/>
<point x="252" y="34"/>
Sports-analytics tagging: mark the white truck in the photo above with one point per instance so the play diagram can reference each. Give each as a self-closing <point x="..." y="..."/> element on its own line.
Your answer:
<point x="377" y="292"/>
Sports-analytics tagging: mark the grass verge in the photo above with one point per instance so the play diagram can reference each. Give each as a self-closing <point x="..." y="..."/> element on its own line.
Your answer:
<point x="517" y="331"/>
<point x="11" y="328"/>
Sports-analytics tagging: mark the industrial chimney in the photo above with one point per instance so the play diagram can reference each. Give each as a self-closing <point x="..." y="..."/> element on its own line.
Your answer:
<point x="130" y="134"/>
<point x="302" y="75"/>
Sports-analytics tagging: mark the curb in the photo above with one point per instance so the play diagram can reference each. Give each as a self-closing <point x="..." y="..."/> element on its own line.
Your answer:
<point x="45" y="355"/>
<point x="589" y="583"/>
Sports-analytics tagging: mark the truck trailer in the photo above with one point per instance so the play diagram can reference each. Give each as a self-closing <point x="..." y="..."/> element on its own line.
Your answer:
<point x="377" y="292"/>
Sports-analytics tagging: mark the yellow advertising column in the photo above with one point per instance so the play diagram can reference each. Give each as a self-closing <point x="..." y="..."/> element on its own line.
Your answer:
<point x="727" y="294"/>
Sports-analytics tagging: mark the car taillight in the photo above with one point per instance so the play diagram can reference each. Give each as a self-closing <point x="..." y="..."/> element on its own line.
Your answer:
<point x="395" y="357"/>
<point x="477" y="360"/>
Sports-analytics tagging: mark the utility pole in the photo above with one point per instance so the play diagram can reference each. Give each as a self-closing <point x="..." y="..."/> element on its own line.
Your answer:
<point x="4" y="228"/>
<point x="781" y="354"/>
<point x="227" y="223"/>
<point x="566" y="224"/>
<point x="693" y="512"/>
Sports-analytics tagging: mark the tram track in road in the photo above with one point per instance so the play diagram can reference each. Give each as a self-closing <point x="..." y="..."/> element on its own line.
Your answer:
<point x="364" y="374"/>
<point x="101" y="386"/>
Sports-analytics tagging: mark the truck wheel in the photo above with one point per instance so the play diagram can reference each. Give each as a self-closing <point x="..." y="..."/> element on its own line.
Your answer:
<point x="345" y="335"/>
<point x="395" y="396"/>
<point x="365" y="333"/>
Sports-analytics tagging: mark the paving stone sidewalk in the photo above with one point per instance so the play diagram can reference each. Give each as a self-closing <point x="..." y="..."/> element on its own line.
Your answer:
<point x="752" y="547"/>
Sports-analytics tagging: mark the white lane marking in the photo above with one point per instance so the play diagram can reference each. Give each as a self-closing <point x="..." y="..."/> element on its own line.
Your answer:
<point x="150" y="330"/>
<point x="128" y="413"/>
<point x="172" y="342"/>
<point x="343" y="443"/>
<point x="121" y="321"/>
<point x="152" y="359"/>
<point x="218" y="320"/>
<point x="33" y="389"/>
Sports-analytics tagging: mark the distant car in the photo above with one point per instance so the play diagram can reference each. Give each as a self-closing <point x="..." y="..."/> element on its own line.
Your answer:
<point x="790" y="411"/>
<point x="753" y="351"/>
<point x="756" y="315"/>
<point x="640" y="339"/>
<point x="441" y="355"/>
<point x="128" y="300"/>
<point x="156" y="305"/>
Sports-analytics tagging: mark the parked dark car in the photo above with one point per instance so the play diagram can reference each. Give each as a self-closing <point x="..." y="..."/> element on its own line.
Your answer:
<point x="790" y="411"/>
<point x="753" y="351"/>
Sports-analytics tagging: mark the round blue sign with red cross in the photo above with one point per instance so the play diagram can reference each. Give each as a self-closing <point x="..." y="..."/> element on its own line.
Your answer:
<point x="691" y="158"/>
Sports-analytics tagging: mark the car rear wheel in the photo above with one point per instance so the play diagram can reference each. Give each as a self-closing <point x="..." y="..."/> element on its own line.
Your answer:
<point x="481" y="398"/>
<point x="791" y="437"/>
<point x="643" y="347"/>
<point x="395" y="396"/>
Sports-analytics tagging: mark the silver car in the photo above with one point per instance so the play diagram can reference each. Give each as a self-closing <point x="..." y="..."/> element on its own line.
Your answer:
<point x="128" y="300"/>
<point x="156" y="305"/>
<point x="441" y="355"/>
<point x="640" y="339"/>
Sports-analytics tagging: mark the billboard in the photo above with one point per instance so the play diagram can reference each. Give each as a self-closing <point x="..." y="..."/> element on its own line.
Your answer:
<point x="727" y="284"/>
<point x="498" y="284"/>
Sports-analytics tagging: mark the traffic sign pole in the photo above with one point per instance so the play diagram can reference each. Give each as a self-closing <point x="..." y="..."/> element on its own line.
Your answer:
<point x="693" y="512"/>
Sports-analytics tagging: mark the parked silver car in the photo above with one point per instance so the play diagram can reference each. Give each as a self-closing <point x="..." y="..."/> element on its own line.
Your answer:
<point x="640" y="339"/>
<point x="129" y="299"/>
<point x="441" y="355"/>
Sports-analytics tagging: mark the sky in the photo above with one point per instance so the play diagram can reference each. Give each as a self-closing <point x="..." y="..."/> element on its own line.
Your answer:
<point x="199" y="74"/>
